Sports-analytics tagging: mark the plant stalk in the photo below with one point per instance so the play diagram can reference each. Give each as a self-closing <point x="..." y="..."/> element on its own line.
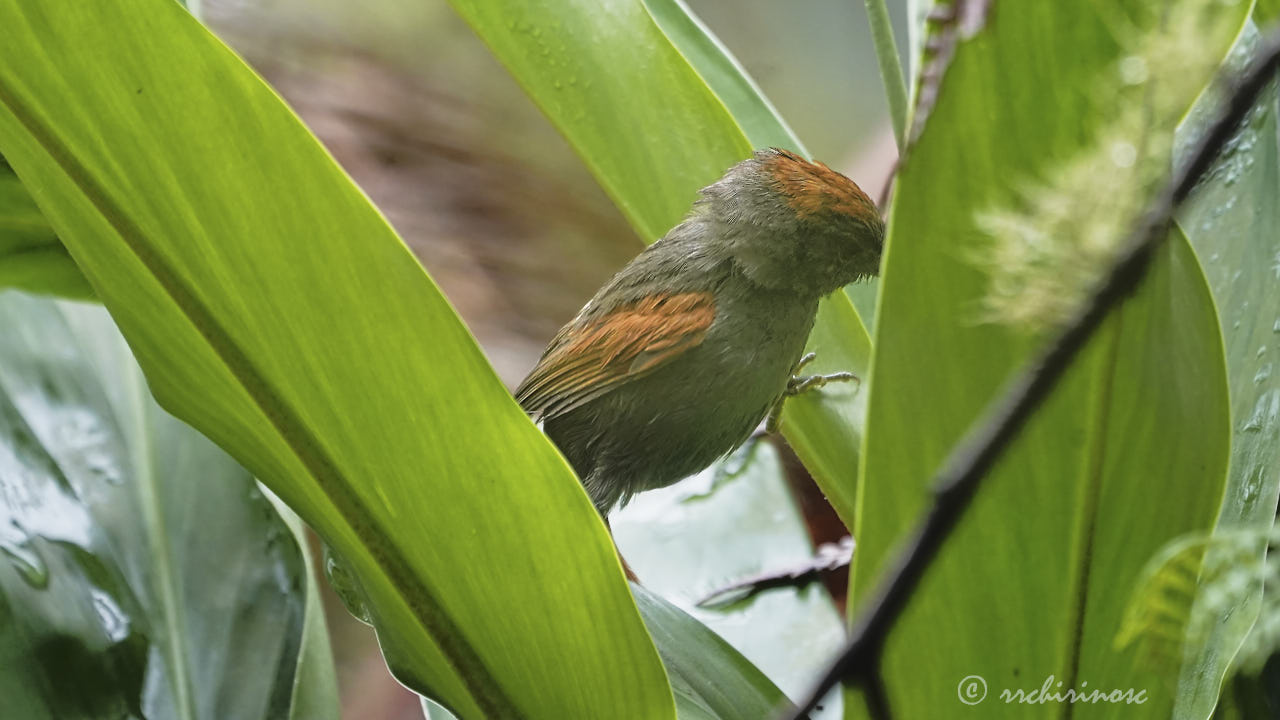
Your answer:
<point x="895" y="85"/>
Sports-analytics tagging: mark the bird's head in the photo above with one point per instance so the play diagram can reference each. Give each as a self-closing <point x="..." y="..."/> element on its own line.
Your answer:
<point x="793" y="224"/>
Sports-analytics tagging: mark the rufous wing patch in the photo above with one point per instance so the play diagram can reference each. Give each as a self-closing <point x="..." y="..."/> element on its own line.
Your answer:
<point x="588" y="359"/>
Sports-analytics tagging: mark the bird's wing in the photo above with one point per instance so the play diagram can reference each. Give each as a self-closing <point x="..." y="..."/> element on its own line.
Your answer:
<point x="589" y="358"/>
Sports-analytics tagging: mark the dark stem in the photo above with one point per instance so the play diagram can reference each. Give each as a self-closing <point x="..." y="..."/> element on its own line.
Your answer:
<point x="969" y="460"/>
<point x="877" y="697"/>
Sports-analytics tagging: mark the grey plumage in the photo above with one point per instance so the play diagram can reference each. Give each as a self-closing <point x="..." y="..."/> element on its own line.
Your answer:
<point x="638" y="394"/>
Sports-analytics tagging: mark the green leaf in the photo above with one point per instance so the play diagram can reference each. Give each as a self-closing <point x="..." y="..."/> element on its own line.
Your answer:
<point x="724" y="76"/>
<point x="315" y="690"/>
<point x="710" y="679"/>
<point x="143" y="574"/>
<point x="1160" y="613"/>
<point x="657" y="109"/>
<point x="1232" y="222"/>
<point x="31" y="258"/>
<point x="1188" y="591"/>
<point x="272" y="307"/>
<point x="895" y="84"/>
<point x="1266" y="12"/>
<point x="1130" y="450"/>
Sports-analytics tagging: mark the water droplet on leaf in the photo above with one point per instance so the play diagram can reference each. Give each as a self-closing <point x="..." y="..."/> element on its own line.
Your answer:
<point x="346" y="586"/>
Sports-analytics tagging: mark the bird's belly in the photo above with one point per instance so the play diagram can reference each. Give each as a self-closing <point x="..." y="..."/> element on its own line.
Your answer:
<point x="673" y="426"/>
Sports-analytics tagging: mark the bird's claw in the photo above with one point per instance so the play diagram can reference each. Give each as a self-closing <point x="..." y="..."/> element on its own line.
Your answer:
<point x="803" y="383"/>
<point x="804" y="360"/>
<point x="800" y="384"/>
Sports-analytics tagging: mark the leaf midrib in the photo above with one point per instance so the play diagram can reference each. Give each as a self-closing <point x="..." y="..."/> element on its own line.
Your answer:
<point x="1095" y="451"/>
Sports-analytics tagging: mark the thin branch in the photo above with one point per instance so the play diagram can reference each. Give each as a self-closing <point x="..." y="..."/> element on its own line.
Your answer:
<point x="958" y="480"/>
<point x="951" y="22"/>
<point x="877" y="698"/>
<point x="895" y="84"/>
<point x="828" y="558"/>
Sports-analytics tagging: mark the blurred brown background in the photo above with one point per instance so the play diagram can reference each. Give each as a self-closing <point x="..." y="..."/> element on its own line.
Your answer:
<point x="495" y="204"/>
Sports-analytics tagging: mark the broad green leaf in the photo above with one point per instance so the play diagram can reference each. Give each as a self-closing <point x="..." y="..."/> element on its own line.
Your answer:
<point x="1186" y="591"/>
<point x="272" y="307"/>
<point x="724" y="76"/>
<point x="711" y="680"/>
<point x="31" y="258"/>
<point x="1129" y="452"/>
<point x="1232" y="222"/>
<point x="143" y="574"/>
<point x="1266" y="12"/>
<point x="657" y="109"/>
<point x="1159" y="615"/>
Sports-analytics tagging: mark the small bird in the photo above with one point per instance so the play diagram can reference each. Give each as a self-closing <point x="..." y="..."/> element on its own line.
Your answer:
<point x="677" y="359"/>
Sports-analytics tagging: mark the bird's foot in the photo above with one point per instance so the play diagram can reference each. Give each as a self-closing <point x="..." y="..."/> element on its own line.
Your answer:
<point x="801" y="384"/>
<point x="804" y="383"/>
